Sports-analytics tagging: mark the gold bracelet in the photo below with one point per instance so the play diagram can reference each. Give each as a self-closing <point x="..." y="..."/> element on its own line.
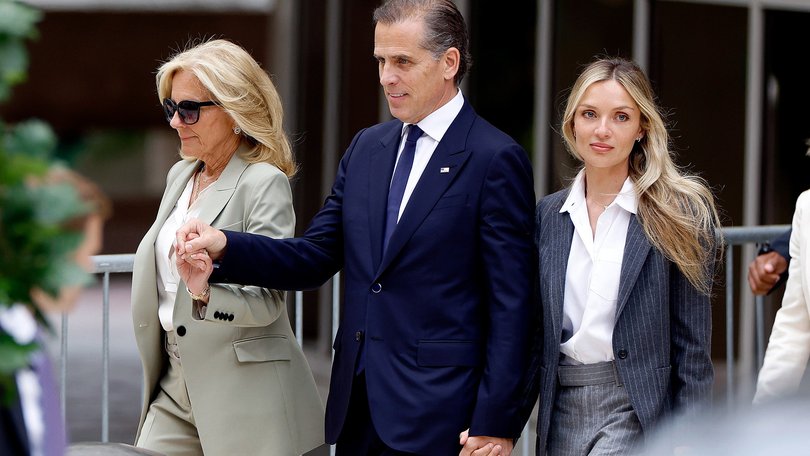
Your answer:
<point x="203" y="294"/>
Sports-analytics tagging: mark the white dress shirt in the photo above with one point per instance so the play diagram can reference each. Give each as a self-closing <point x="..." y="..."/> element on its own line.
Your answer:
<point x="167" y="275"/>
<point x="592" y="275"/>
<point x="435" y="126"/>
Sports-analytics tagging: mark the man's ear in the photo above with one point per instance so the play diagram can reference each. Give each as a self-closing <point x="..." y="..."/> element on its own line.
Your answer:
<point x="451" y="60"/>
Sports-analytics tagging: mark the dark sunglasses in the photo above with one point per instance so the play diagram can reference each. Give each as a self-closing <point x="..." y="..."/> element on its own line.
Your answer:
<point x="189" y="110"/>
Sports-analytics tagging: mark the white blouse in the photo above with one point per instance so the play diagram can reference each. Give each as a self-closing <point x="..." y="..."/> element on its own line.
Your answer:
<point x="167" y="275"/>
<point x="592" y="275"/>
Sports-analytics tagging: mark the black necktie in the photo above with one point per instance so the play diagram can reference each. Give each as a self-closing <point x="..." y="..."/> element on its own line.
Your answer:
<point x="399" y="180"/>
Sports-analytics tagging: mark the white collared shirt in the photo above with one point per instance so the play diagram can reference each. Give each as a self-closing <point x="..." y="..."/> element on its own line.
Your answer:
<point x="435" y="125"/>
<point x="592" y="275"/>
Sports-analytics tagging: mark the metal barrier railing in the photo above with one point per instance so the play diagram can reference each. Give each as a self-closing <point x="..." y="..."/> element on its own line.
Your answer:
<point x="105" y="265"/>
<point x="740" y="236"/>
<point x="734" y="236"/>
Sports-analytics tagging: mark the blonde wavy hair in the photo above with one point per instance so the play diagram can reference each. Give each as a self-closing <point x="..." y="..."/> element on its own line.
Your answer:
<point x="238" y="84"/>
<point x="676" y="210"/>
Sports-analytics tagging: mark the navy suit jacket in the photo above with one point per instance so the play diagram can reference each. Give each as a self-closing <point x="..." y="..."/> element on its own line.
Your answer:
<point x="662" y="335"/>
<point x="444" y="311"/>
<point x="781" y="245"/>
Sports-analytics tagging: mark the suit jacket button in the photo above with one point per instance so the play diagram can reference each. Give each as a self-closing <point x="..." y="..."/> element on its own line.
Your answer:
<point x="358" y="336"/>
<point x="376" y="288"/>
<point x="230" y="317"/>
<point x="181" y="331"/>
<point x="622" y="354"/>
<point x="216" y="315"/>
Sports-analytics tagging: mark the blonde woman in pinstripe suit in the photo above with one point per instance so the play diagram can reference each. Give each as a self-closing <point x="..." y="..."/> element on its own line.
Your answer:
<point x="626" y="258"/>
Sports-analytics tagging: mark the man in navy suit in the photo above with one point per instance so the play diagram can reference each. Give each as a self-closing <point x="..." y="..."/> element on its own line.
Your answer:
<point x="430" y="217"/>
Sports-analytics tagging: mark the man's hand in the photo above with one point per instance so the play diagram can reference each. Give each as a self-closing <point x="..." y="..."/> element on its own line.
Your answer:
<point x="484" y="446"/>
<point x="195" y="236"/>
<point x="764" y="272"/>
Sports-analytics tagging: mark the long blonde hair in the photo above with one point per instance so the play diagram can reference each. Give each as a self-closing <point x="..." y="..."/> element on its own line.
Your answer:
<point x="676" y="210"/>
<point x="239" y="85"/>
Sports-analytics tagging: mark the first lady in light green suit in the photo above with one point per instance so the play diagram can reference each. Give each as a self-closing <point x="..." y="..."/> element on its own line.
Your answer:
<point x="223" y="373"/>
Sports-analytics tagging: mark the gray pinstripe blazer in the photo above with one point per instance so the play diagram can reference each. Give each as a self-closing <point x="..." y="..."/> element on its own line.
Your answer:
<point x="661" y="341"/>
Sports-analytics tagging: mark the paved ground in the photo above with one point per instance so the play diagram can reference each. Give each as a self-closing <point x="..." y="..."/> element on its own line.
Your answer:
<point x="84" y="376"/>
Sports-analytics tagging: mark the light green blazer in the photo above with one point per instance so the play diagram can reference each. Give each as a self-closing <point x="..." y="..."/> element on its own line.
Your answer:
<point x="251" y="389"/>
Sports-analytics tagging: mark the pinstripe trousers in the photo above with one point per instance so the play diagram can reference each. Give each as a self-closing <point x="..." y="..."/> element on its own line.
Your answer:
<point x="592" y="414"/>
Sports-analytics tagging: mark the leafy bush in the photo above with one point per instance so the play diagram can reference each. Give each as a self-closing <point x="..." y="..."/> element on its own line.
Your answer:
<point x="35" y="246"/>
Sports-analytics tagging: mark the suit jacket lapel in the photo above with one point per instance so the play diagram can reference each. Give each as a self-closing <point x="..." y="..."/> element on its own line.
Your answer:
<point x="562" y="233"/>
<point x="451" y="153"/>
<point x="173" y="193"/>
<point x="636" y="249"/>
<point x="222" y="189"/>
<point x="221" y="193"/>
<point x="174" y="190"/>
<point x="146" y="270"/>
<point x="381" y="168"/>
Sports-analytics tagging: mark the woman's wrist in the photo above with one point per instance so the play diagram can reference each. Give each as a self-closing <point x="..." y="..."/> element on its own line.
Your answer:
<point x="201" y="296"/>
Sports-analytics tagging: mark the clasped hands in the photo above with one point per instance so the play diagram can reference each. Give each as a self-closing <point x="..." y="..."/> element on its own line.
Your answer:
<point x="196" y="246"/>
<point x="480" y="445"/>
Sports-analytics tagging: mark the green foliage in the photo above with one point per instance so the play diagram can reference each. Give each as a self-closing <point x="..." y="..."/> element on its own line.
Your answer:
<point x="12" y="355"/>
<point x="17" y="23"/>
<point x="35" y="243"/>
<point x="32" y="137"/>
<point x="25" y="148"/>
<point x="35" y="248"/>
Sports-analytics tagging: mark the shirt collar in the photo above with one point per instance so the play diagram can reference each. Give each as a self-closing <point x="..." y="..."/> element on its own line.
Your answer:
<point x="438" y="122"/>
<point x="576" y="196"/>
<point x="626" y="199"/>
